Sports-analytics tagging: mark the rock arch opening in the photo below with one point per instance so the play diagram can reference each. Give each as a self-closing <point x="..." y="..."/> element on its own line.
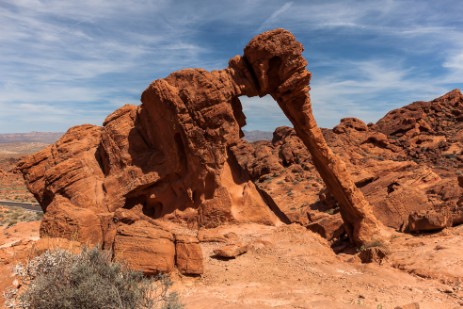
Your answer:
<point x="263" y="116"/>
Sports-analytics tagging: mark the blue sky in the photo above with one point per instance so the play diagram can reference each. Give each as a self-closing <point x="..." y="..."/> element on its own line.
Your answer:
<point x="64" y="63"/>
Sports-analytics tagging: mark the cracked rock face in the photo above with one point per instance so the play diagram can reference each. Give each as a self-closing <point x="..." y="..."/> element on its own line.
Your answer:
<point x="170" y="158"/>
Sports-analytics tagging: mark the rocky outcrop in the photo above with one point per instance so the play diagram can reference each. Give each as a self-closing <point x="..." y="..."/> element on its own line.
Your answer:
<point x="145" y="247"/>
<point x="430" y="220"/>
<point x="172" y="159"/>
<point x="189" y="256"/>
<point x="428" y="132"/>
<point x="328" y="226"/>
<point x="230" y="251"/>
<point x="397" y="184"/>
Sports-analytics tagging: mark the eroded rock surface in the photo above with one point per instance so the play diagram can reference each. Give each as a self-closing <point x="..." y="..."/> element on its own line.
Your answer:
<point x="410" y="179"/>
<point x="179" y="158"/>
<point x="170" y="158"/>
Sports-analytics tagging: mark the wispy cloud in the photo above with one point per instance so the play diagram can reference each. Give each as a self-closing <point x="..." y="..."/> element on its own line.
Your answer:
<point x="58" y="54"/>
<point x="274" y="16"/>
<point x="263" y="113"/>
<point x="70" y="62"/>
<point x="370" y="89"/>
<point x="454" y="63"/>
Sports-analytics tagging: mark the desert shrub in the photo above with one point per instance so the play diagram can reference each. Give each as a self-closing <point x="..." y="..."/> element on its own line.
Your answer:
<point x="13" y="215"/>
<point x="375" y="243"/>
<point x="59" y="279"/>
<point x="331" y="211"/>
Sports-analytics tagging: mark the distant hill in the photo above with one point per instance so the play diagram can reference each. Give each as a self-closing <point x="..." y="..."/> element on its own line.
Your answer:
<point x="32" y="137"/>
<point x="257" y="135"/>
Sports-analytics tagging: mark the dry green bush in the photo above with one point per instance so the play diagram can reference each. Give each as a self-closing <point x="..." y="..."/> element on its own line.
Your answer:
<point x="59" y="279"/>
<point x="12" y="215"/>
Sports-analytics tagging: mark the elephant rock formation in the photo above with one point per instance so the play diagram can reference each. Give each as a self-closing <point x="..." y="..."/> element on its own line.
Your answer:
<point x="170" y="160"/>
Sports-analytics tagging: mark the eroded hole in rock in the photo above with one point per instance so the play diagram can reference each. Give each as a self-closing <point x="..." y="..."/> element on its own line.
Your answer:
<point x="392" y="187"/>
<point x="153" y="210"/>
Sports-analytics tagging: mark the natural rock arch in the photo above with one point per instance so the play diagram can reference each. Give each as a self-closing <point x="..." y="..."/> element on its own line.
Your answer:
<point x="276" y="61"/>
<point x="172" y="158"/>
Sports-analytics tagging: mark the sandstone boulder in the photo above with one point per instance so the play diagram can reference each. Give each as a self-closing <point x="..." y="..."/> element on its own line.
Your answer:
<point x="431" y="220"/>
<point x="373" y="254"/>
<point x="350" y="123"/>
<point x="145" y="247"/>
<point x="64" y="220"/>
<point x="188" y="255"/>
<point x="230" y="251"/>
<point x="328" y="226"/>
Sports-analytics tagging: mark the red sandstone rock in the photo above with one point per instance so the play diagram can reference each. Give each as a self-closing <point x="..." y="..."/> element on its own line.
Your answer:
<point x="429" y="132"/>
<point x="178" y="157"/>
<point x="188" y="255"/>
<point x="350" y="123"/>
<point x="428" y="221"/>
<point x="279" y="67"/>
<point x="145" y="247"/>
<point x="373" y="254"/>
<point x="53" y="243"/>
<point x="230" y="251"/>
<point x="64" y="220"/>
<point x="328" y="226"/>
<point x="170" y="158"/>
<point x="215" y="235"/>
<point x="394" y="182"/>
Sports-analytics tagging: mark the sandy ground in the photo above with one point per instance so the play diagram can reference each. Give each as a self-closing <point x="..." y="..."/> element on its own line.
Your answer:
<point x="290" y="267"/>
<point x="17" y="150"/>
<point x="12" y="186"/>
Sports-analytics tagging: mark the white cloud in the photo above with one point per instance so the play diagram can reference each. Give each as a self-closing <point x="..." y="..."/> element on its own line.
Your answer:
<point x="454" y="69"/>
<point x="77" y="60"/>
<point x="371" y="90"/>
<point x="263" y="113"/>
<point x="274" y="16"/>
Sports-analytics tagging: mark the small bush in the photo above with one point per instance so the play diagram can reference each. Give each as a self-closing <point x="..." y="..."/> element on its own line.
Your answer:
<point x="59" y="279"/>
<point x="372" y="244"/>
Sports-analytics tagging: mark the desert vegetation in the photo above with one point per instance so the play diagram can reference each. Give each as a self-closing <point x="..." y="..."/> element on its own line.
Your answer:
<point x="9" y="216"/>
<point x="60" y="279"/>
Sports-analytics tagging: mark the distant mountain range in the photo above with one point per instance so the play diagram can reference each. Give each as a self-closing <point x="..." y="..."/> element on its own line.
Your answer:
<point x="32" y="137"/>
<point x="51" y="137"/>
<point x="257" y="135"/>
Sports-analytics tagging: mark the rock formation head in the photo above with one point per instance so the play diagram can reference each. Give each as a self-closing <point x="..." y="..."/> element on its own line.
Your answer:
<point x="274" y="57"/>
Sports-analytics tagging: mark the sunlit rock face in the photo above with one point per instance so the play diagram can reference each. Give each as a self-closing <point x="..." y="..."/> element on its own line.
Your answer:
<point x="154" y="173"/>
